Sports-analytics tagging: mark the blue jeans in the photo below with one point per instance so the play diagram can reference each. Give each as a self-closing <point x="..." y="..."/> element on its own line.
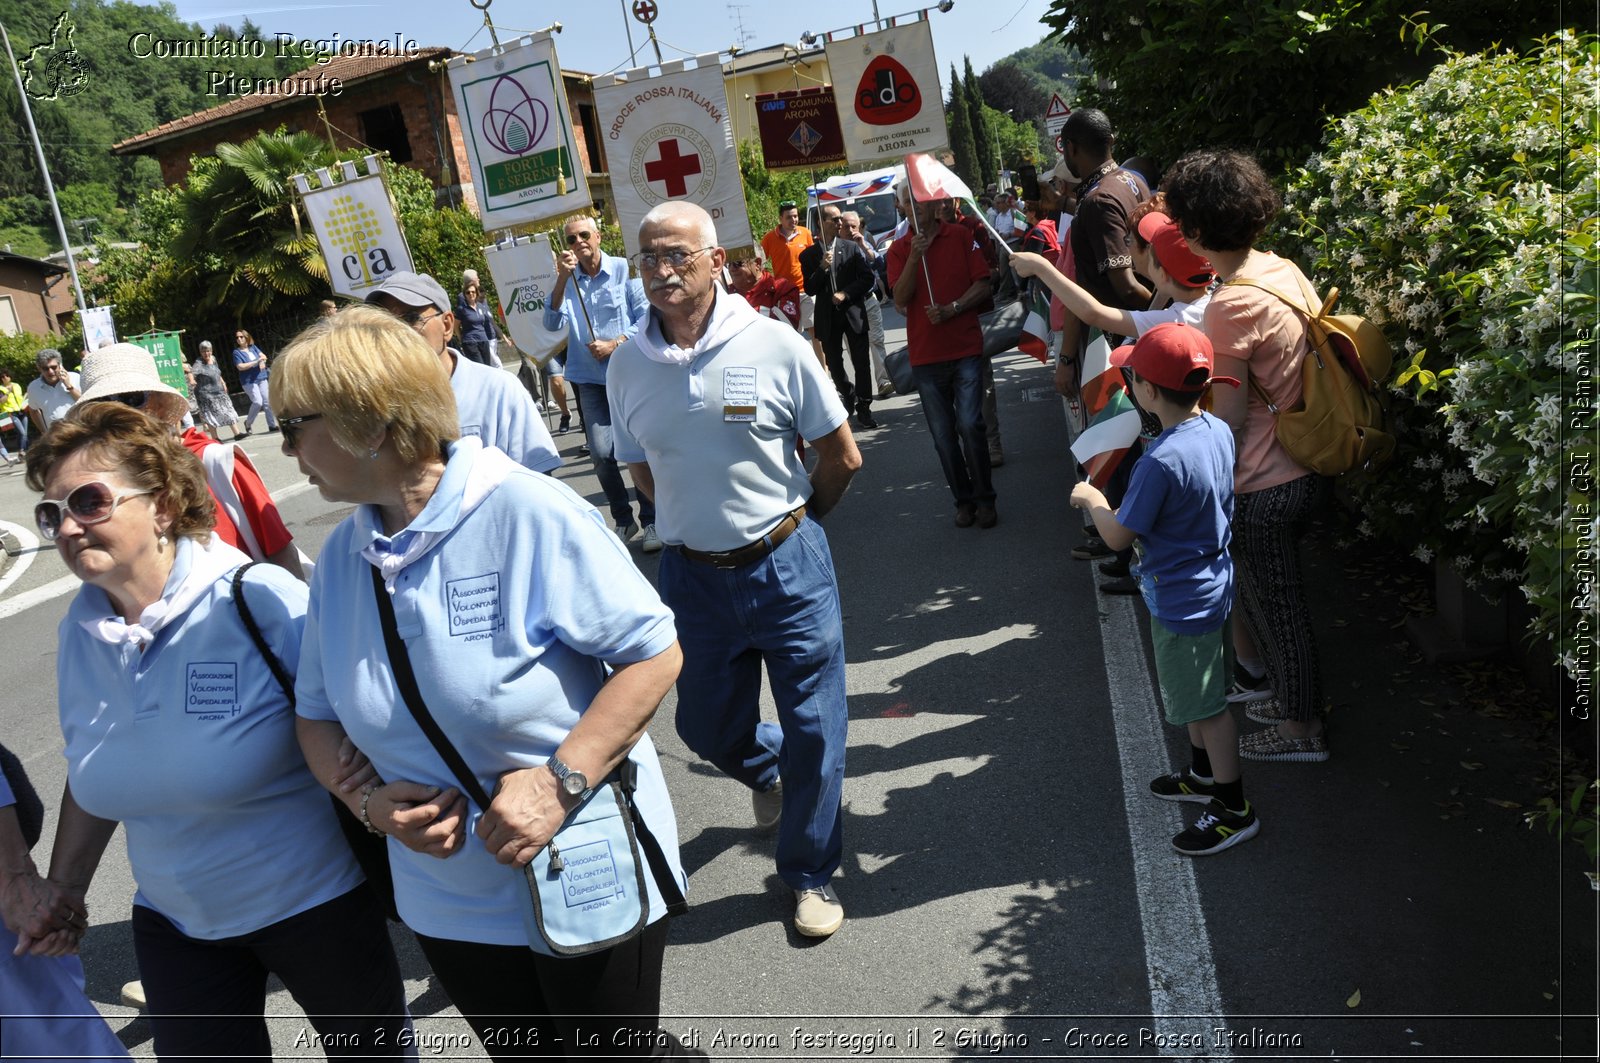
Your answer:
<point x="952" y="404"/>
<point x="602" y="449"/>
<point x="782" y="611"/>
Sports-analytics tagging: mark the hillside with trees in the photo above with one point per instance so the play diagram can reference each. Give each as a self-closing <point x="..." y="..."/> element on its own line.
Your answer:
<point x="122" y="95"/>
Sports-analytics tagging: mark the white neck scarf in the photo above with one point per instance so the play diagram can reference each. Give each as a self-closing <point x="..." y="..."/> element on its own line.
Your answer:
<point x="489" y="469"/>
<point x="730" y="315"/>
<point x="196" y="566"/>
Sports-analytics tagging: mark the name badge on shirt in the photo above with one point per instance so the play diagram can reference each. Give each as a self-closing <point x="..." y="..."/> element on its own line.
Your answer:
<point x="211" y="689"/>
<point x="739" y="393"/>
<point x="474" y="606"/>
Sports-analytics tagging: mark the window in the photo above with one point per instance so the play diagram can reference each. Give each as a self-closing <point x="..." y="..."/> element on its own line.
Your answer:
<point x="591" y="137"/>
<point x="384" y="128"/>
<point x="8" y="317"/>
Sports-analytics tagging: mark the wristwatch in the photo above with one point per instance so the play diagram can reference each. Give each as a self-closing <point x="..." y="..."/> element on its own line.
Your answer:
<point x="572" y="783"/>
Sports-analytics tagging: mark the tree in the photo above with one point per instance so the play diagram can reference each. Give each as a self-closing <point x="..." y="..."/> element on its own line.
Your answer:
<point x="961" y="143"/>
<point x="988" y="162"/>
<point x="1008" y="86"/>
<point x="1264" y="76"/>
<point x="241" y="226"/>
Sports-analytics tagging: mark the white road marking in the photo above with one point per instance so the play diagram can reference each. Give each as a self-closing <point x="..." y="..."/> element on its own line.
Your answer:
<point x="1177" y="946"/>
<point x="30" y="546"/>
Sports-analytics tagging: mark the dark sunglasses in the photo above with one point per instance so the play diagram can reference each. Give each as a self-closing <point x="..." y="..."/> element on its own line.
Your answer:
<point x="573" y="238"/>
<point x="136" y="399"/>
<point x="90" y="503"/>
<point x="290" y="427"/>
<point x="788" y="204"/>
<point x="418" y="318"/>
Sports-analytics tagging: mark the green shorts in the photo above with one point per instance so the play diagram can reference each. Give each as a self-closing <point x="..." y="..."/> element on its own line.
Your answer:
<point x="1194" y="672"/>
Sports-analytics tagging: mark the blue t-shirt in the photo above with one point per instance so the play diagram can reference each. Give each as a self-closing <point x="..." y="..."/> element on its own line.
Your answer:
<point x="616" y="305"/>
<point x="1180" y="502"/>
<point x="493" y="406"/>
<point x="509" y="648"/>
<point x="191" y="744"/>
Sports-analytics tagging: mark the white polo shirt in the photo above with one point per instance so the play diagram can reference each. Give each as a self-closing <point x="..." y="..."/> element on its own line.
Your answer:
<point x="509" y="648"/>
<point x="720" y="433"/>
<point x="493" y="406"/>
<point x="52" y="401"/>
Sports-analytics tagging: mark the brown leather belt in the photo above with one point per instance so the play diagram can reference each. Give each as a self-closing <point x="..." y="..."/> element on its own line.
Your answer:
<point x="753" y="552"/>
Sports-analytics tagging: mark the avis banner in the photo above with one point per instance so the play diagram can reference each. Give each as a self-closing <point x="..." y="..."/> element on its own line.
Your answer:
<point x="799" y="129"/>
<point x="98" y="328"/>
<point x="517" y="130"/>
<point x="524" y="275"/>
<point x="668" y="137"/>
<point x="361" y="239"/>
<point x="886" y="87"/>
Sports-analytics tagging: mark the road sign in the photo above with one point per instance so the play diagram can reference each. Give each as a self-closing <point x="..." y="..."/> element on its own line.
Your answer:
<point x="645" y="11"/>
<point x="1056" y="115"/>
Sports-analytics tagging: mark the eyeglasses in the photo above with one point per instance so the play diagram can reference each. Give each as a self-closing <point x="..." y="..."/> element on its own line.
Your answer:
<point x="677" y="258"/>
<point x="416" y="319"/>
<point x="585" y="236"/>
<point x="90" y="503"/>
<point x="788" y="204"/>
<point x="290" y="427"/>
<point x="136" y="399"/>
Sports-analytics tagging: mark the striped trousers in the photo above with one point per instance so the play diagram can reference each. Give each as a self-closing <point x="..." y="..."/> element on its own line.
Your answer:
<point x="1267" y="526"/>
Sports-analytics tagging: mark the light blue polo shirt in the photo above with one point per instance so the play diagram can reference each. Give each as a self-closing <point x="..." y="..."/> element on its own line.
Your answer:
<point x="191" y="745"/>
<point x="493" y="406"/>
<point x="616" y="306"/>
<point x="723" y="477"/>
<point x="507" y="645"/>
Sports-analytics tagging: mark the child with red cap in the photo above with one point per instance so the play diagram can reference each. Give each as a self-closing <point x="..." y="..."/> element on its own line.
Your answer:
<point x="1178" y="505"/>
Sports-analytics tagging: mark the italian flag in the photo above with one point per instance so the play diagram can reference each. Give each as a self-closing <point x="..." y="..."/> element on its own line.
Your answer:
<point x="1098" y="378"/>
<point x="1111" y="432"/>
<point x="1036" y="329"/>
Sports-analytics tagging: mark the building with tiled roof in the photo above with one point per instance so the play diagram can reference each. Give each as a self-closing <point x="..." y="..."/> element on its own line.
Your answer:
<point x="401" y="104"/>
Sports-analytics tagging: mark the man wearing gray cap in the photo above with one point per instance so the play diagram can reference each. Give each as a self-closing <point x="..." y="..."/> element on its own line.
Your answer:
<point x="489" y="402"/>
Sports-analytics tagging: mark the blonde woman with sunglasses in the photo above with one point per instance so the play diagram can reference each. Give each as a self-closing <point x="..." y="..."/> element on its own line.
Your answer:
<point x="176" y="726"/>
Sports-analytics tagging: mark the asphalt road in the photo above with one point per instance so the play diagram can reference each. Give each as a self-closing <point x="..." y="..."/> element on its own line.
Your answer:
<point x="1009" y="890"/>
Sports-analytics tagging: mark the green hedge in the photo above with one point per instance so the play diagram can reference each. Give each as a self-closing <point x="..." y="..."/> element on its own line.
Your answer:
<point x="1460" y="214"/>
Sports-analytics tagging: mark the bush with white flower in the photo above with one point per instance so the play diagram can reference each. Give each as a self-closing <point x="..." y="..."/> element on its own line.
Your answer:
<point x="1459" y="214"/>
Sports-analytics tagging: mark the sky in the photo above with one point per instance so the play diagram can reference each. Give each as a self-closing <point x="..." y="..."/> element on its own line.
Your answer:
<point x="594" y="35"/>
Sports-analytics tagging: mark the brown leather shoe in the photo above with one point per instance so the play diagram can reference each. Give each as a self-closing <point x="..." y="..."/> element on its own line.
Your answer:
<point x="987" y="517"/>
<point x="965" y="515"/>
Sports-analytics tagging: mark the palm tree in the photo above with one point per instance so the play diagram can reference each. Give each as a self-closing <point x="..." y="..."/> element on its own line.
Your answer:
<point x="240" y="229"/>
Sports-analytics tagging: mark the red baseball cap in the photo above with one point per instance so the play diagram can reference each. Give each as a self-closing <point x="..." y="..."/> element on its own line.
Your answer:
<point x="1166" y="240"/>
<point x="1173" y="355"/>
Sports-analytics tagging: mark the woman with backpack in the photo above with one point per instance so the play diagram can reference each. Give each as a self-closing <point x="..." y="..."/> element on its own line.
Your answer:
<point x="1222" y="201"/>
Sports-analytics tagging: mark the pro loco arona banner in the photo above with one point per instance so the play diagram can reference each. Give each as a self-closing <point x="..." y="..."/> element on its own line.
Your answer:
<point x="668" y="137"/>
<point x="886" y="86"/>
<point x="517" y="131"/>
<point x="524" y="273"/>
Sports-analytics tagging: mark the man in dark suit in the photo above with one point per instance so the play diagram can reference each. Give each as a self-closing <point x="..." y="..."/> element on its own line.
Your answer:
<point x="838" y="277"/>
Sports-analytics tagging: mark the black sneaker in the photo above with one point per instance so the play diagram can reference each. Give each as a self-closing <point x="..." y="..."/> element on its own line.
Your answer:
<point x="566" y="424"/>
<point x="1116" y="568"/>
<point x="1217" y="829"/>
<point x="1092" y="548"/>
<point x="864" y="419"/>
<point x="1182" y="786"/>
<point x="1247" y="687"/>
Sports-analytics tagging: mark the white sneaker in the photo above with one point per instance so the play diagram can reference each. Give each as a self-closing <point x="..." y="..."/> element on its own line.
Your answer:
<point x="651" y="543"/>
<point x="133" y="995"/>
<point x="817" y="912"/>
<point x="627" y="531"/>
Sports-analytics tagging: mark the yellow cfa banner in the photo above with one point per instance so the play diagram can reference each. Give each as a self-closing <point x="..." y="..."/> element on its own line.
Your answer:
<point x="517" y="131"/>
<point x="361" y="240"/>
<point x="886" y="87"/>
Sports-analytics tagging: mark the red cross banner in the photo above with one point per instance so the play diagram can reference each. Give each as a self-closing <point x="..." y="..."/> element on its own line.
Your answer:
<point x="668" y="137"/>
<point x="517" y="131"/>
<point x="886" y="87"/>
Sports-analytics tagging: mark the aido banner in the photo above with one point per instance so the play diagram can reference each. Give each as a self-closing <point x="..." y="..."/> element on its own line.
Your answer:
<point x="524" y="275"/>
<point x="361" y="240"/>
<point x="668" y="137"/>
<point x="517" y="130"/>
<point x="886" y="86"/>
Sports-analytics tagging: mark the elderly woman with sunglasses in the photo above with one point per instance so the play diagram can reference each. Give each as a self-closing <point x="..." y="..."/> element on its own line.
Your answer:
<point x="246" y="517"/>
<point x="539" y="651"/>
<point x="176" y="726"/>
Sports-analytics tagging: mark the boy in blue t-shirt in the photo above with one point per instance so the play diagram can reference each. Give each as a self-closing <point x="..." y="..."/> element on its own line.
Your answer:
<point x="1179" y="504"/>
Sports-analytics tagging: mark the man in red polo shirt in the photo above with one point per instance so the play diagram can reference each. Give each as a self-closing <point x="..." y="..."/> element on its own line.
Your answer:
<point x="774" y="297"/>
<point x="939" y="279"/>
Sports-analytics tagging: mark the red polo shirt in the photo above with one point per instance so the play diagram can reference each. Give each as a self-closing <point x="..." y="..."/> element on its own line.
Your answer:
<point x="955" y="262"/>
